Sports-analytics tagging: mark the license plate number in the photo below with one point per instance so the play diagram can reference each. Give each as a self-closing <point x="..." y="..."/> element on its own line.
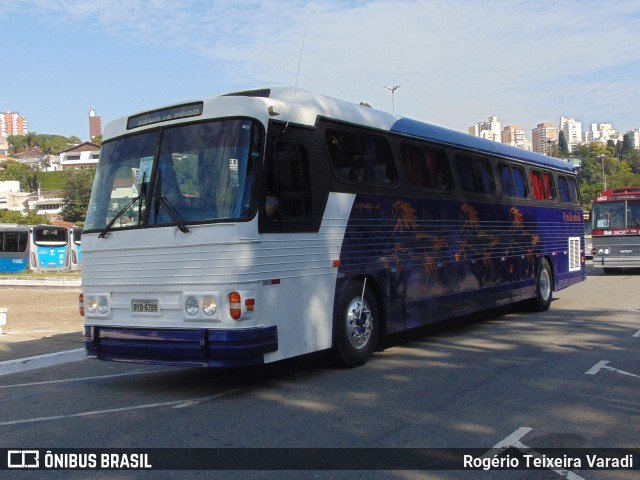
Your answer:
<point x="144" y="306"/>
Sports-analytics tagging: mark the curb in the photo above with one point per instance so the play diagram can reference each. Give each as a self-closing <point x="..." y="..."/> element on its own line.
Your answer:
<point x="41" y="282"/>
<point x="41" y="361"/>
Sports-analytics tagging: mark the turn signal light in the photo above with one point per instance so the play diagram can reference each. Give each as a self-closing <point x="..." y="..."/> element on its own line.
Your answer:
<point x="81" y="304"/>
<point x="235" y="306"/>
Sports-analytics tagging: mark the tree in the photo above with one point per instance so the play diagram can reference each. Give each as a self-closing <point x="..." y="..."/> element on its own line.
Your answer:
<point x="14" y="170"/>
<point x="30" y="218"/>
<point x="49" y="144"/>
<point x="563" y="147"/>
<point x="76" y="185"/>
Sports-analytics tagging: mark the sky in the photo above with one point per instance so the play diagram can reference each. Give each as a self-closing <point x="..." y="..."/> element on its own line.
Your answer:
<point x="457" y="61"/>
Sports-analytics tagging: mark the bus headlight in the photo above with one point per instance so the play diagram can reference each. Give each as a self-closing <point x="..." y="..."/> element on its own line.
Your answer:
<point x="91" y="305"/>
<point x="209" y="305"/>
<point x="103" y="305"/>
<point x="96" y="305"/>
<point x="191" y="306"/>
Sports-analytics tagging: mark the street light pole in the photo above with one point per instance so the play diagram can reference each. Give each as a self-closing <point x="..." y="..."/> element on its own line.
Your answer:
<point x="393" y="91"/>
<point x="604" y="174"/>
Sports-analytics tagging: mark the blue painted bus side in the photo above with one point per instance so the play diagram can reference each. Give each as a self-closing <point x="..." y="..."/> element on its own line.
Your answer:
<point x="430" y="258"/>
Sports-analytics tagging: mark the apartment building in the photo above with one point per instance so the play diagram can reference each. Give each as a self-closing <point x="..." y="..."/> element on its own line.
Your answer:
<point x="572" y="132"/>
<point x="11" y="123"/>
<point x="489" y="129"/>
<point x="544" y="135"/>
<point x="515" y="136"/>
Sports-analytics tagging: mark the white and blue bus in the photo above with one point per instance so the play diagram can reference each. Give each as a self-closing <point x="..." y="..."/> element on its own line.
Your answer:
<point x="75" y="248"/>
<point x="14" y="248"/>
<point x="257" y="226"/>
<point x="49" y="248"/>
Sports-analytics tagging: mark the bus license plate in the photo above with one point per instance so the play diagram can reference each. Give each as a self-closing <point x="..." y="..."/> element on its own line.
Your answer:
<point x="144" y="306"/>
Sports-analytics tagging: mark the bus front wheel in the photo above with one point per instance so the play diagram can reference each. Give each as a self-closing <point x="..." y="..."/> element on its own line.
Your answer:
<point x="356" y="325"/>
<point x="544" y="288"/>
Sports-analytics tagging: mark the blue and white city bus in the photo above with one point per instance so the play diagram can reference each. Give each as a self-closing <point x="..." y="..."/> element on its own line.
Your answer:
<point x="14" y="248"/>
<point x="49" y="248"/>
<point x="75" y="248"/>
<point x="258" y="226"/>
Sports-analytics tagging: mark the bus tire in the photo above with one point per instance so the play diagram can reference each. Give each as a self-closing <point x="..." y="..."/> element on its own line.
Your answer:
<point x="356" y="326"/>
<point x="544" y="288"/>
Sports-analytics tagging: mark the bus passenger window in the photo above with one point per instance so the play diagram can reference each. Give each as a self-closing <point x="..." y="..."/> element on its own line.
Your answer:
<point x="359" y="158"/>
<point x="288" y="192"/>
<point x="475" y="174"/>
<point x="512" y="180"/>
<point x="426" y="167"/>
<point x="568" y="190"/>
<point x="542" y="183"/>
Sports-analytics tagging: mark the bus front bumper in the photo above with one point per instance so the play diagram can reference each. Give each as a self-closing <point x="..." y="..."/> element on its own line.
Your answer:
<point x="181" y="347"/>
<point x="610" y="261"/>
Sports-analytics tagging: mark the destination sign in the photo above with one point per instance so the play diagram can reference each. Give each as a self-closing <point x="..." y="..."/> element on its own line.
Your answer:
<point x="164" y="115"/>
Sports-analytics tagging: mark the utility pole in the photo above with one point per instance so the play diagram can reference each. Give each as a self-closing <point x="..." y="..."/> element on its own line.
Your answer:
<point x="393" y="91"/>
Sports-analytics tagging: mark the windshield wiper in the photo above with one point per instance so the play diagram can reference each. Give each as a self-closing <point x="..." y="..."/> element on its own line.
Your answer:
<point x="106" y="229"/>
<point x="143" y="193"/>
<point x="173" y="213"/>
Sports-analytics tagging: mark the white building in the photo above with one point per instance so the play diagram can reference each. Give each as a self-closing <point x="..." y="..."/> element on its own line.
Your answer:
<point x="490" y="129"/>
<point x="85" y="155"/>
<point x="572" y="132"/>
<point x="601" y="132"/>
<point x="634" y="136"/>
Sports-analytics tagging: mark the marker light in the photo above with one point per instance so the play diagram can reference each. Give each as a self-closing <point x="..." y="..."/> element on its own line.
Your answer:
<point x="235" y="308"/>
<point x="81" y="304"/>
<point x="250" y="304"/>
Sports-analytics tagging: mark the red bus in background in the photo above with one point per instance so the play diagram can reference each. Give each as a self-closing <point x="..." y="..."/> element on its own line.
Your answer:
<point x="615" y="222"/>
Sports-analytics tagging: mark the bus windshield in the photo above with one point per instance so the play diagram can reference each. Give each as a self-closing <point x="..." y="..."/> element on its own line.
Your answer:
<point x="616" y="215"/>
<point x="188" y="173"/>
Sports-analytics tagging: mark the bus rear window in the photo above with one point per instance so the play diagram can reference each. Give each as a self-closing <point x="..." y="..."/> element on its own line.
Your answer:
<point x="50" y="236"/>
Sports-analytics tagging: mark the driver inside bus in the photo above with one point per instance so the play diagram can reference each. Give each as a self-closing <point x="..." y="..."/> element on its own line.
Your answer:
<point x="614" y="217"/>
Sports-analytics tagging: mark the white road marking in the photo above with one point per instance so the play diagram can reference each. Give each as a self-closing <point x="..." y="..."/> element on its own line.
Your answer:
<point x="513" y="441"/>
<point x="175" y="403"/>
<point x="604" y="364"/>
<point x="637" y="334"/>
<point x="82" y="379"/>
<point x="41" y="361"/>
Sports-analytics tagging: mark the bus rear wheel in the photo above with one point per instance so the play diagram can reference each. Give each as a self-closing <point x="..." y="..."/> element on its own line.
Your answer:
<point x="356" y="325"/>
<point x="544" y="288"/>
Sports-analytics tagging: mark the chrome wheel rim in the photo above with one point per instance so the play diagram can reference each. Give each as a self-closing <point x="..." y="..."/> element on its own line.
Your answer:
<point x="545" y="285"/>
<point x="359" y="323"/>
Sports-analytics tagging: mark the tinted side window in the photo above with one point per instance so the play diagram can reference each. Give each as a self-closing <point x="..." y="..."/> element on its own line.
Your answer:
<point x="512" y="180"/>
<point x="288" y="194"/>
<point x="360" y="158"/>
<point x="475" y="174"/>
<point x="426" y="167"/>
<point x="568" y="189"/>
